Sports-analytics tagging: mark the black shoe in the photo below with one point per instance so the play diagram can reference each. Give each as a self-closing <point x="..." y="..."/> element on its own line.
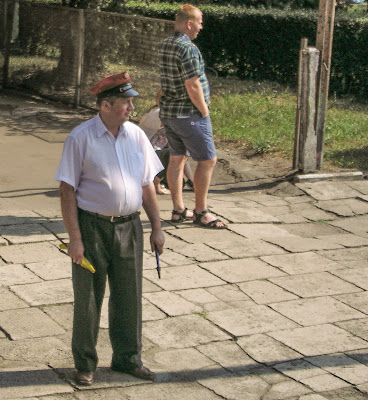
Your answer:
<point x="84" y="378"/>
<point x="138" y="372"/>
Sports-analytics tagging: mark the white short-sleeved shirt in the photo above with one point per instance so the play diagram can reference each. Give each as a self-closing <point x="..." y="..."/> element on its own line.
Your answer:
<point x="107" y="173"/>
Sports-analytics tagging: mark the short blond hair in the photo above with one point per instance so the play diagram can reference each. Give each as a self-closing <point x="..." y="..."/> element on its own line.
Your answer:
<point x="186" y="13"/>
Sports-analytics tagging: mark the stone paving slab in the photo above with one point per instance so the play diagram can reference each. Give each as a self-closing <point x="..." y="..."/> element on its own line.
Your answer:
<point x="315" y="311"/>
<point x="25" y="233"/>
<point x="360" y="186"/>
<point x="241" y="248"/>
<point x="318" y="340"/>
<point x="185" y="277"/>
<point x="229" y="355"/>
<point x="299" y="245"/>
<point x="52" y="270"/>
<point x="172" y="304"/>
<point x="29" y="382"/>
<point x="182" y="332"/>
<point x="28" y="323"/>
<point x="207" y="236"/>
<point x="250" y="320"/>
<point x="149" y="312"/>
<point x="241" y="270"/>
<point x="341" y="255"/>
<point x="227" y="293"/>
<point x="315" y="284"/>
<point x="310" y="212"/>
<point x="313" y="229"/>
<point x="62" y="313"/>
<point x="260" y="231"/>
<point x="347" y="240"/>
<point x="357" y="225"/>
<point x="29" y="253"/>
<point x="325" y="383"/>
<point x="182" y="365"/>
<point x="343" y="367"/>
<point x="167" y="391"/>
<point x="359" y="301"/>
<point x="9" y="301"/>
<point x="15" y="216"/>
<point x="265" y="349"/>
<point x="246" y="215"/>
<point x="36" y="350"/>
<point x="356" y="327"/>
<point x="344" y="208"/>
<point x="15" y="274"/>
<point x="358" y="276"/>
<point x="302" y="263"/>
<point x="299" y="369"/>
<point x="200" y="252"/>
<point x="49" y="292"/>
<point x="235" y="387"/>
<point x="265" y="292"/>
<point x="328" y="190"/>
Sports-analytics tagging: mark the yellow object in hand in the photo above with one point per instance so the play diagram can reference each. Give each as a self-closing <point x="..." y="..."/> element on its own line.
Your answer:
<point x="85" y="262"/>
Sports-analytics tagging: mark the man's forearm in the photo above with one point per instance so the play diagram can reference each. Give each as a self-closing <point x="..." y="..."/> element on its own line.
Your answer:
<point x="69" y="212"/>
<point x="150" y="205"/>
<point x="195" y="93"/>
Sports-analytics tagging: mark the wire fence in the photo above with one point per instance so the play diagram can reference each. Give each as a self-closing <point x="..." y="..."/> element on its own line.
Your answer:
<point x="59" y="52"/>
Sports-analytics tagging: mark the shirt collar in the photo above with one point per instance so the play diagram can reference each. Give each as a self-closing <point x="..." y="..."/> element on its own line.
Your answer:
<point x="101" y="128"/>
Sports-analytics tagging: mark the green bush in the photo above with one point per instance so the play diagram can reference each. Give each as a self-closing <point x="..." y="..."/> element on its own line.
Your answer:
<point x="263" y="44"/>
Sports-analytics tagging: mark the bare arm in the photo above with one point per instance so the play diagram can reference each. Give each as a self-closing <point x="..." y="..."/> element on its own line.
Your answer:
<point x="70" y="217"/>
<point x="150" y="205"/>
<point x="196" y="95"/>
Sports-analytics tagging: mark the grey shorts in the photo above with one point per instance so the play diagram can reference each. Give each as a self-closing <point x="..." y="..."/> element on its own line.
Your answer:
<point x="190" y="136"/>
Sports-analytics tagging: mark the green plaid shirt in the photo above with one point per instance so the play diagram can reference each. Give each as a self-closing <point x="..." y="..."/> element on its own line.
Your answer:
<point x="180" y="60"/>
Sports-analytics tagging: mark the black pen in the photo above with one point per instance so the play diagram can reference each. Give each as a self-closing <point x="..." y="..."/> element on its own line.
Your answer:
<point x="158" y="262"/>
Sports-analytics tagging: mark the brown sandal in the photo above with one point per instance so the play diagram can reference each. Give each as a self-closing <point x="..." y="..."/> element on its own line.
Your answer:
<point x="182" y="216"/>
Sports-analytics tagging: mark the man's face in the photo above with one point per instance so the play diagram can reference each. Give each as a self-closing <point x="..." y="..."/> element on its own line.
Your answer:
<point x="121" y="109"/>
<point x="195" y="26"/>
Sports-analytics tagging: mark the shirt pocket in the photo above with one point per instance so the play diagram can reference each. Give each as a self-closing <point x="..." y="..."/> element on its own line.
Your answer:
<point x="137" y="165"/>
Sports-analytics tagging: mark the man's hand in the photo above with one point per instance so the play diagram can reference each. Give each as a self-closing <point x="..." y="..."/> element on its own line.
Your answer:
<point x="76" y="251"/>
<point x="195" y="93"/>
<point x="157" y="240"/>
<point x="150" y="205"/>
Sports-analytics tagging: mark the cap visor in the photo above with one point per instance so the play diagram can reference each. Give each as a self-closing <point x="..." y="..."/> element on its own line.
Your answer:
<point x="129" y="93"/>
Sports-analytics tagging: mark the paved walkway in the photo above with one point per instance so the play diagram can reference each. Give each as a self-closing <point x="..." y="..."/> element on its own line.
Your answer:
<point x="273" y="308"/>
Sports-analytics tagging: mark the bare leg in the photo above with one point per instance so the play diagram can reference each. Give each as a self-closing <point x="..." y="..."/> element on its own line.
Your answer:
<point x="174" y="176"/>
<point x="202" y="180"/>
<point x="159" y="188"/>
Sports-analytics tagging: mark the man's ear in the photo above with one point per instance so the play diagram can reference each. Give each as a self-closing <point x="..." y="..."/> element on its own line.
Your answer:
<point x="105" y="105"/>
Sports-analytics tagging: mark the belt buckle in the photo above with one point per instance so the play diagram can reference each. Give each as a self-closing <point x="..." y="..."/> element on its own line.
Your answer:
<point x="112" y="218"/>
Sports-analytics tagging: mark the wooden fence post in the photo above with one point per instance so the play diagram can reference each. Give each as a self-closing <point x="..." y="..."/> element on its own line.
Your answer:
<point x="326" y="17"/>
<point x="296" y="156"/>
<point x="308" y="138"/>
<point x="79" y="57"/>
<point x="8" y="27"/>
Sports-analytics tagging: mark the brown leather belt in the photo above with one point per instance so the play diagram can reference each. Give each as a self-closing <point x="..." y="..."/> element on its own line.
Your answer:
<point x="115" y="220"/>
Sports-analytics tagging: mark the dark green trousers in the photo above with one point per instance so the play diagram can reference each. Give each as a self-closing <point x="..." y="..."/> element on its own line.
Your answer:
<point x="116" y="252"/>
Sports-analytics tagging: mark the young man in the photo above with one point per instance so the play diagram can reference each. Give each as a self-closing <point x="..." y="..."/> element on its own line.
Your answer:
<point x="106" y="174"/>
<point x="185" y="114"/>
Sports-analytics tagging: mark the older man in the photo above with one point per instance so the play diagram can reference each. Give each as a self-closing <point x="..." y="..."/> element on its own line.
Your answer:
<point x="106" y="174"/>
<point x="185" y="114"/>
